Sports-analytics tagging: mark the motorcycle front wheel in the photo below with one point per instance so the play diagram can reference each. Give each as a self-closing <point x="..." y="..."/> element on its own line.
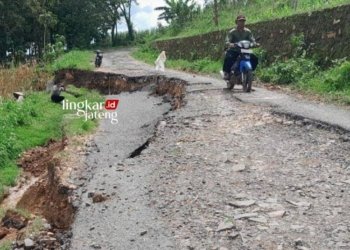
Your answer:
<point x="231" y="82"/>
<point x="247" y="79"/>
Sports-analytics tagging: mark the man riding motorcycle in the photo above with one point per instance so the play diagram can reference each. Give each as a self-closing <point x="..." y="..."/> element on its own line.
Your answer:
<point x="234" y="36"/>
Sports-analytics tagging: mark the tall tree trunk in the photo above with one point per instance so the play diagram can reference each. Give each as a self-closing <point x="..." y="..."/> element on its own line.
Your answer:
<point x="216" y="13"/>
<point x="294" y="4"/>
<point x="3" y="46"/>
<point x="113" y="35"/>
<point x="127" y="16"/>
<point x="130" y="29"/>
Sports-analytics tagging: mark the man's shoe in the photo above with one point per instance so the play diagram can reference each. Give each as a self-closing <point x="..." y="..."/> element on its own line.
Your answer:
<point x="224" y="75"/>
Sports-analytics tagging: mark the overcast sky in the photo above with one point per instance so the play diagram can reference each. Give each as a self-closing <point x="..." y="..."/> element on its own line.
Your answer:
<point x="144" y="16"/>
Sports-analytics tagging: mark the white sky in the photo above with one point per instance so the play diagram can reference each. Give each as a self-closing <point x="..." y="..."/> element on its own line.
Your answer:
<point x="144" y="16"/>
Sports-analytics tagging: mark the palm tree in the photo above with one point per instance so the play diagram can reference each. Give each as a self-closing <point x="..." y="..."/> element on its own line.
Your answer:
<point x="177" y="10"/>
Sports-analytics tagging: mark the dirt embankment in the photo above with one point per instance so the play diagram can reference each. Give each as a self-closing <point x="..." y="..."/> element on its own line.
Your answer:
<point x="41" y="203"/>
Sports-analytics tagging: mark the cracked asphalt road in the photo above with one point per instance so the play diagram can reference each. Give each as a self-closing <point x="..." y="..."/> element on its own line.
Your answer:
<point x="223" y="172"/>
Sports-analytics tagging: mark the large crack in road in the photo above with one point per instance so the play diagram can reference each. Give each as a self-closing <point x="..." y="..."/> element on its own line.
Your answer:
<point x="118" y="222"/>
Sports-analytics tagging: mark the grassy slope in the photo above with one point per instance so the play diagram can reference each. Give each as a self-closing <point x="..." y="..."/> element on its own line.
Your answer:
<point x="36" y="120"/>
<point x="32" y="123"/>
<point x="257" y="11"/>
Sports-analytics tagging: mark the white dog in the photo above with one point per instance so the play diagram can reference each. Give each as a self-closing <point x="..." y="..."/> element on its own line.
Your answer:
<point x="160" y="62"/>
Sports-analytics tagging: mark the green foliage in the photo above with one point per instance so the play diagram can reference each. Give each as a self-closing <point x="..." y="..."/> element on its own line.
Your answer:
<point x="298" y="45"/>
<point x="338" y="77"/>
<point x="289" y="71"/>
<point x="255" y="11"/>
<point x="303" y="73"/>
<point x="262" y="56"/>
<point x="6" y="245"/>
<point x="75" y="59"/>
<point x="53" y="51"/>
<point x="33" y="24"/>
<point x="334" y="82"/>
<point x="296" y="69"/>
<point x="178" y="12"/>
<point x="32" y="123"/>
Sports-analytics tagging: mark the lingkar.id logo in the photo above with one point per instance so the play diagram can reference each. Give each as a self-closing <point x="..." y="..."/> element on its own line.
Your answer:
<point x="95" y="110"/>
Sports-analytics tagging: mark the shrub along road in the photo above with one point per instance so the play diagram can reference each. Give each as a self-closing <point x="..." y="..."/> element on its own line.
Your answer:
<point x="226" y="171"/>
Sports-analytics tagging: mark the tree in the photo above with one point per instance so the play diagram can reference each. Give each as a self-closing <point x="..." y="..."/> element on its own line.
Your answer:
<point x="12" y="26"/>
<point x="216" y="13"/>
<point x="113" y="16"/>
<point x="41" y="21"/>
<point x="48" y="20"/>
<point x="178" y="11"/>
<point x="125" y="8"/>
<point x="81" y="22"/>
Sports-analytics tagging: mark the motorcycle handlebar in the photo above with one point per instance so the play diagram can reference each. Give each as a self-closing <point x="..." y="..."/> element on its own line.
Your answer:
<point x="234" y="45"/>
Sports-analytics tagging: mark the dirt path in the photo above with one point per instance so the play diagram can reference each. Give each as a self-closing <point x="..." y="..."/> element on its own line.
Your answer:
<point x="219" y="173"/>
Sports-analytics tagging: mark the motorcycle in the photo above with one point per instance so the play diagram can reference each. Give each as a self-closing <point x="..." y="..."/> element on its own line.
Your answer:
<point x="242" y="70"/>
<point x="98" y="59"/>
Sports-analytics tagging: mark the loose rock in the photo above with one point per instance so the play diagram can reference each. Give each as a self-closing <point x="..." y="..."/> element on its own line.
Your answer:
<point x="223" y="226"/>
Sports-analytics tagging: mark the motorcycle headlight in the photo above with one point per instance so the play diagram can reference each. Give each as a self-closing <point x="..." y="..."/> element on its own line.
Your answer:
<point x="246" y="44"/>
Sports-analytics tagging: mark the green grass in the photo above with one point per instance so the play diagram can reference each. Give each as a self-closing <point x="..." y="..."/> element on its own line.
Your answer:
<point x="34" y="122"/>
<point x="334" y="83"/>
<point x="75" y="59"/>
<point x="255" y="11"/>
<point x="6" y="245"/>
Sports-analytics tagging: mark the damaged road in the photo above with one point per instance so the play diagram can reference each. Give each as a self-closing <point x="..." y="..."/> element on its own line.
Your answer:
<point x="217" y="173"/>
<point x="118" y="222"/>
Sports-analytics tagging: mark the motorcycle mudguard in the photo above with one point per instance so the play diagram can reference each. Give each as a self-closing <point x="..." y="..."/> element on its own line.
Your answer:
<point x="245" y="66"/>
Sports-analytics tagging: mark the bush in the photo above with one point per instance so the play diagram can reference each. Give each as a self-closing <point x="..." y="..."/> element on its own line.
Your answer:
<point x="290" y="71"/>
<point x="339" y="77"/>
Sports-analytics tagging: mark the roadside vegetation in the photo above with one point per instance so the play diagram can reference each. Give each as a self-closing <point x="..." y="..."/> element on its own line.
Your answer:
<point x="220" y="14"/>
<point x="34" y="122"/>
<point x="75" y="59"/>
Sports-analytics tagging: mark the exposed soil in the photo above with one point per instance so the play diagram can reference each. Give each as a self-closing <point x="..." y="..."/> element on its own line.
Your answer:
<point x="112" y="84"/>
<point x="49" y="198"/>
<point x="42" y="193"/>
<point x="35" y="161"/>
